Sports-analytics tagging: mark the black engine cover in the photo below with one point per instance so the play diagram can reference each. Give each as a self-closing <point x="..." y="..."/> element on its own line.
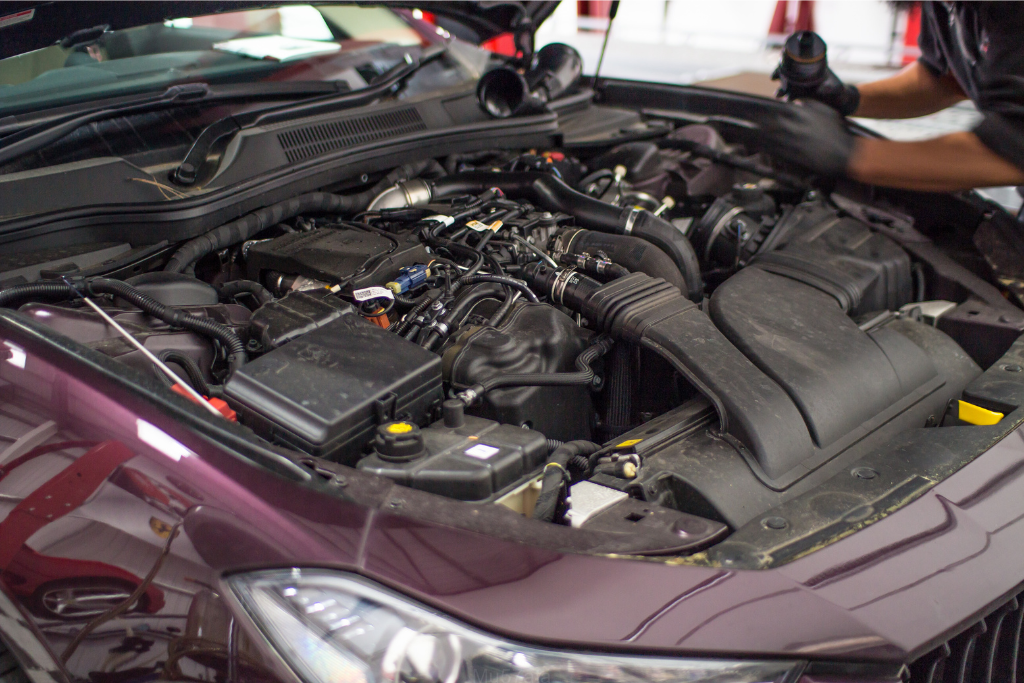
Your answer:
<point x="334" y="255"/>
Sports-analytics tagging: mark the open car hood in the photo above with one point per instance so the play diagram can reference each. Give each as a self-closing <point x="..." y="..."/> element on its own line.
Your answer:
<point x="27" y="26"/>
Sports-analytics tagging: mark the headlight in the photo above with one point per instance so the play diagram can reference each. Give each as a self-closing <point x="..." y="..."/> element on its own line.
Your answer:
<point x="338" y="628"/>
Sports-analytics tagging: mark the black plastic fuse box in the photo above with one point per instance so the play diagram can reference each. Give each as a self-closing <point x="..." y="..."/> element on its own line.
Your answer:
<point x="326" y="391"/>
<point x="472" y="462"/>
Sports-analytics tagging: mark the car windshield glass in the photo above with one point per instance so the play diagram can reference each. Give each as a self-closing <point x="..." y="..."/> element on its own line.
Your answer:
<point x="294" y="42"/>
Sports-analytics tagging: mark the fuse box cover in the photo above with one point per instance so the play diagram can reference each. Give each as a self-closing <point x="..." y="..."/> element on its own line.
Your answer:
<point x="326" y="391"/>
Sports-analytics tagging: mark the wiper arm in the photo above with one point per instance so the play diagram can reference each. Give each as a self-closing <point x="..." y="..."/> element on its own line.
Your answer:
<point x="27" y="139"/>
<point x="33" y="138"/>
<point x="188" y="171"/>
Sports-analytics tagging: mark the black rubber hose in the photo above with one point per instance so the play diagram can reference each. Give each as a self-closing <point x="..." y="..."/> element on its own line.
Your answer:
<point x="51" y="289"/>
<point x="502" y="280"/>
<point x="502" y="311"/>
<point x="177" y="318"/>
<point x="550" y="193"/>
<point x="556" y="476"/>
<point x="584" y="374"/>
<point x="460" y="249"/>
<point x="670" y="240"/>
<point x="402" y="325"/>
<point x="247" y="226"/>
<point x="593" y="177"/>
<point x="468" y="298"/>
<point x="172" y="316"/>
<point x="191" y="368"/>
<point x="634" y="254"/>
<point x="229" y="290"/>
<point x="542" y="189"/>
<point x="410" y="301"/>
<point x="315" y="202"/>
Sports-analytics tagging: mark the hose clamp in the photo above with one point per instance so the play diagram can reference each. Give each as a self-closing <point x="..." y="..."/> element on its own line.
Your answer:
<point x="468" y="396"/>
<point x="719" y="227"/>
<point x="630" y="220"/>
<point x="561" y="282"/>
<point x="563" y="243"/>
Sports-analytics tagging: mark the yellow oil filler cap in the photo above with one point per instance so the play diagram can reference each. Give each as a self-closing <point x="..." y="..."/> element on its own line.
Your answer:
<point x="972" y="414"/>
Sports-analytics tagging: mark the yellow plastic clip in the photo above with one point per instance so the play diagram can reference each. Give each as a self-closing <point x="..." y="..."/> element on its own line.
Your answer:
<point x="972" y="414"/>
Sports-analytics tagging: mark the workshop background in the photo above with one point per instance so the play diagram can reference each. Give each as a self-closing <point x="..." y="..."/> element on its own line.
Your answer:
<point x="735" y="45"/>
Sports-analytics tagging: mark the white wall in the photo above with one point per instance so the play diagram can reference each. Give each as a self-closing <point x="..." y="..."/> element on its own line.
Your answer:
<point x="857" y="31"/>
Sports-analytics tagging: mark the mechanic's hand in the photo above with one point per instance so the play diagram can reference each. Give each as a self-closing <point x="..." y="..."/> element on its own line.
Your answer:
<point x="812" y="135"/>
<point x="803" y="73"/>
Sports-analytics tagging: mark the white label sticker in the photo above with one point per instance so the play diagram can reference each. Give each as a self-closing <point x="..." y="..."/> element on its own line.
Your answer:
<point x="482" y="227"/>
<point x="440" y="218"/>
<point x="368" y="293"/>
<point x="481" y="451"/>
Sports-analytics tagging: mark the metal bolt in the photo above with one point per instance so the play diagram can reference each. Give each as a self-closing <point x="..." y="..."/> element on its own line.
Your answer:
<point x="864" y="473"/>
<point x="775" y="523"/>
<point x="364" y="178"/>
<point x="1010" y="367"/>
<point x="397" y="504"/>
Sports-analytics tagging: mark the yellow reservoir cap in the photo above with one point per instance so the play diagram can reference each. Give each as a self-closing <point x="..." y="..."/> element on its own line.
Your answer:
<point x="399" y="428"/>
<point x="974" y="415"/>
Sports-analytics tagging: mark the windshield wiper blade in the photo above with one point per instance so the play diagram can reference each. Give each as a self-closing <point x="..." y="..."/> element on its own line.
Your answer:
<point x="188" y="171"/>
<point x="27" y="139"/>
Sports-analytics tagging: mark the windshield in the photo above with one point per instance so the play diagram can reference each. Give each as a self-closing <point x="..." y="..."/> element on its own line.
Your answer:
<point x="295" y="42"/>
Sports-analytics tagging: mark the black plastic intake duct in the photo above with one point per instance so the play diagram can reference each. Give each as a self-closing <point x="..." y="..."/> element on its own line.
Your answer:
<point x="632" y="253"/>
<point x="552" y="194"/>
<point x="650" y="312"/>
<point x="504" y="92"/>
<point x="794" y="380"/>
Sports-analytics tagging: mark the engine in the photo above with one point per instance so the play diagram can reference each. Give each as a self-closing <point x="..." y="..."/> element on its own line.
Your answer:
<point x="668" y="323"/>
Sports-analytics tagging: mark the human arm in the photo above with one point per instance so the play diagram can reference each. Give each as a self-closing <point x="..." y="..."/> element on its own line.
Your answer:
<point x="914" y="91"/>
<point x="957" y="161"/>
<point x="815" y="136"/>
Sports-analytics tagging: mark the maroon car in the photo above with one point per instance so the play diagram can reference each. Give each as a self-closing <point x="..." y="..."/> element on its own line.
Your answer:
<point x="337" y="349"/>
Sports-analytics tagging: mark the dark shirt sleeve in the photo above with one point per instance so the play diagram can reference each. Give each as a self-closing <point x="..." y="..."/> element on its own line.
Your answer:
<point x="1001" y="82"/>
<point x="927" y="40"/>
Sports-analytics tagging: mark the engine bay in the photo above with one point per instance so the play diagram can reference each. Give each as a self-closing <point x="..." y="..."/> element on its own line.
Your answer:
<point x="665" y="338"/>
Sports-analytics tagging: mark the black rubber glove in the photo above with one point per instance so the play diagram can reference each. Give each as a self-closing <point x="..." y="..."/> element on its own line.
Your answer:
<point x="803" y="73"/>
<point x="809" y="134"/>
